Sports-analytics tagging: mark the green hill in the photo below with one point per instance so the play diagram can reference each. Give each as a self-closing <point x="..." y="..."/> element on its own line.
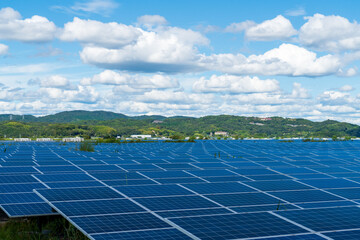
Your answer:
<point x="109" y="124"/>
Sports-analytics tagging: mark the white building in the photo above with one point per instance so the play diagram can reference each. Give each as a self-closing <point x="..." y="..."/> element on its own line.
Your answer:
<point x="140" y="136"/>
<point x="221" y="133"/>
<point x="44" y="140"/>
<point x="22" y="139"/>
<point x="74" y="139"/>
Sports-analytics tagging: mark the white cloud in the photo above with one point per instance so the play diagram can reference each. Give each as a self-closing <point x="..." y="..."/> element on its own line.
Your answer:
<point x="180" y="97"/>
<point x="278" y="28"/>
<point x="235" y="84"/>
<point x="330" y="33"/>
<point x="34" y="29"/>
<point x="3" y="49"/>
<point x="299" y="92"/>
<point x="83" y="94"/>
<point x="346" y="88"/>
<point x="102" y="7"/>
<point x="101" y="34"/>
<point x="55" y="81"/>
<point x="287" y="59"/>
<point x="109" y="77"/>
<point x="300" y="11"/>
<point x="169" y="49"/>
<point x="151" y="20"/>
<point x="239" y="27"/>
<point x="29" y="68"/>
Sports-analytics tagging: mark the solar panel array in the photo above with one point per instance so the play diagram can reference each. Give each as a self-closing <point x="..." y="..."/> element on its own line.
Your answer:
<point x="203" y="190"/>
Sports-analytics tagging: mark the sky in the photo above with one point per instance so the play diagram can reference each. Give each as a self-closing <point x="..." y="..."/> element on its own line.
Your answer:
<point x="296" y="59"/>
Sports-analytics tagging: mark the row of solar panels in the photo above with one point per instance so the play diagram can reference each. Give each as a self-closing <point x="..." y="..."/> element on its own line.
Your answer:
<point x="182" y="191"/>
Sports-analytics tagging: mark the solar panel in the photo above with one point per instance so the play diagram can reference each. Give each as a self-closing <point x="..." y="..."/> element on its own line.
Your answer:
<point x="97" y="207"/>
<point x="156" y="234"/>
<point x="243" y="199"/>
<point x="326" y="219"/>
<point x="68" y="194"/>
<point x="27" y="209"/>
<point x="265" y="190"/>
<point x="175" y="203"/>
<point x="154" y="190"/>
<point x="234" y="226"/>
<point x="121" y="222"/>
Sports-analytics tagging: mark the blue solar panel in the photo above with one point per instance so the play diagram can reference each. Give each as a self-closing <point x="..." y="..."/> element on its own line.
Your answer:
<point x="19" y="198"/>
<point x="122" y="222"/>
<point x="194" y="212"/>
<point x="97" y="207"/>
<point x="204" y="202"/>
<point x="156" y="234"/>
<point x="20" y="188"/>
<point x="117" y="175"/>
<point x="277" y="185"/>
<point x="305" y="196"/>
<point x="264" y="208"/>
<point x="70" y="177"/>
<point x="17" y="179"/>
<point x="129" y="182"/>
<point x="331" y="183"/>
<point x="68" y="194"/>
<point x="154" y="190"/>
<point x="235" y="226"/>
<point x="350" y="193"/>
<point x="175" y="203"/>
<point x="209" y="188"/>
<point x="77" y="184"/>
<point x="243" y="199"/>
<point x="28" y="209"/>
<point x="348" y="235"/>
<point x="326" y="219"/>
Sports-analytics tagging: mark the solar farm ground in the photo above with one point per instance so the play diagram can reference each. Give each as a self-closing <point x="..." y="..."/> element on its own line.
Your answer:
<point x="203" y="190"/>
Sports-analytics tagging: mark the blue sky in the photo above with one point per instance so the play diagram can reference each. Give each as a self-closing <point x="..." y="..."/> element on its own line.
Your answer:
<point x="195" y="58"/>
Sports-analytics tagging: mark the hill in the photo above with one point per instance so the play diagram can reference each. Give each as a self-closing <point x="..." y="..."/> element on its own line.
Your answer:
<point x="109" y="124"/>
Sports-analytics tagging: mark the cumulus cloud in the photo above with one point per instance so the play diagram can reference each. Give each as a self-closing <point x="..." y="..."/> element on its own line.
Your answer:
<point x="239" y="27"/>
<point x="175" y="97"/>
<point x="235" y="84"/>
<point x="330" y="33"/>
<point x="3" y="49"/>
<point x="169" y="49"/>
<point x="55" y="81"/>
<point x="34" y="29"/>
<point x="102" y="7"/>
<point x="346" y="88"/>
<point x="299" y="92"/>
<point x="82" y="94"/>
<point x="287" y="59"/>
<point x="109" y="77"/>
<point x="278" y="28"/>
<point x="101" y="34"/>
<point x="151" y="20"/>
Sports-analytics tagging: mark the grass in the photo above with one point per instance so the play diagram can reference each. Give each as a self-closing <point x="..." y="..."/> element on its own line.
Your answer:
<point x="86" y="147"/>
<point x="40" y="228"/>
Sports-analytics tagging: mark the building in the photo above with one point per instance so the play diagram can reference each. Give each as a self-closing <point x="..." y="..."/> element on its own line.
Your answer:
<point x="74" y="139"/>
<point x="44" y="140"/>
<point x="221" y="133"/>
<point x="265" y="119"/>
<point x="140" y="136"/>
<point x="22" y="139"/>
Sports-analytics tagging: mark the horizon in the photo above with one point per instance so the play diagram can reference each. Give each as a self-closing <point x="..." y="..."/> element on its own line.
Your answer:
<point x="167" y="116"/>
<point x="297" y="59"/>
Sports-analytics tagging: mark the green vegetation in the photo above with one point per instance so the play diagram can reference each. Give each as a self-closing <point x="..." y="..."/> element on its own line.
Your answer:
<point x="86" y="147"/>
<point x="40" y="228"/>
<point x="108" y="125"/>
